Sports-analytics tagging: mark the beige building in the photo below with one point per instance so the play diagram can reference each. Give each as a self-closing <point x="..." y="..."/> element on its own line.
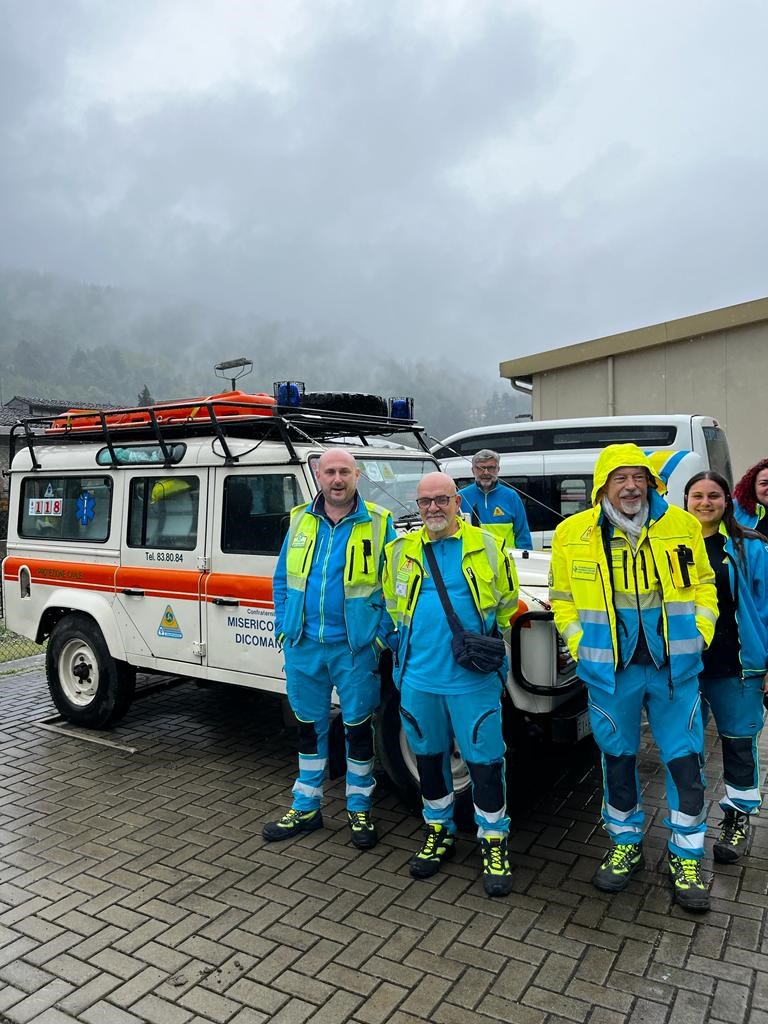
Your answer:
<point x="713" y="363"/>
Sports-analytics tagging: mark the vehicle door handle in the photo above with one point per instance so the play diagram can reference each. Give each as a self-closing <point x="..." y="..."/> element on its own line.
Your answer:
<point x="229" y="601"/>
<point x="133" y="592"/>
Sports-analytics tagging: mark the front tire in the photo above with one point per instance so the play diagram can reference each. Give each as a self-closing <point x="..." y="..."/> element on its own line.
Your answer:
<point x="399" y="762"/>
<point x="87" y="685"/>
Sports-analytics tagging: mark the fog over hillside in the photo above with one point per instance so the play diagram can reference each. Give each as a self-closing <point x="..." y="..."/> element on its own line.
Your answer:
<point x="89" y="343"/>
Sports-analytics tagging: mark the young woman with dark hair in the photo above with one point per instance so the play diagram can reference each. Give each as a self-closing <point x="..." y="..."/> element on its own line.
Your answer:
<point x="751" y="497"/>
<point x="734" y="676"/>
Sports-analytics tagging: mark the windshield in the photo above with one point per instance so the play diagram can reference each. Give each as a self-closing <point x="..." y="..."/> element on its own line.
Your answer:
<point x="391" y="482"/>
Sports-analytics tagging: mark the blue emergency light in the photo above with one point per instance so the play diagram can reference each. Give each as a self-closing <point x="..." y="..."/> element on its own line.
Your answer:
<point x="401" y="408"/>
<point x="288" y="392"/>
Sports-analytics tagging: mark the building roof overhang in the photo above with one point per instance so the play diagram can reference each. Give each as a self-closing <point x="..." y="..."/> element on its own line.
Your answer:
<point x="741" y="315"/>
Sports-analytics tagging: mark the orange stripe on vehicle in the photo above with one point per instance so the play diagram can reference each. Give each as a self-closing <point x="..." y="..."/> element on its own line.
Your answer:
<point x="158" y="582"/>
<point x="254" y="590"/>
<point x="179" y="584"/>
<point x="67" y="574"/>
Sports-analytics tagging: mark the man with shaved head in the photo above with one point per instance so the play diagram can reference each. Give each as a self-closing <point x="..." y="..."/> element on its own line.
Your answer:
<point x="328" y="609"/>
<point x="439" y="698"/>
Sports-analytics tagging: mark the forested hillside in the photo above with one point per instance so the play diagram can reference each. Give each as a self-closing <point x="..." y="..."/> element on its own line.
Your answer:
<point x="90" y="343"/>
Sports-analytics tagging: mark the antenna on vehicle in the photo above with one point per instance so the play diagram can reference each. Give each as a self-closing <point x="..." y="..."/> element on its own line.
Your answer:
<point x="243" y="365"/>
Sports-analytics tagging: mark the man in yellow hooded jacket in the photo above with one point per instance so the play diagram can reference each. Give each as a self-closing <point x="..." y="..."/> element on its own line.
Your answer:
<point x="634" y="598"/>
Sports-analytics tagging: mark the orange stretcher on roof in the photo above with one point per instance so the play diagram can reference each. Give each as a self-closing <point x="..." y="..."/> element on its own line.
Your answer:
<point x="225" y="406"/>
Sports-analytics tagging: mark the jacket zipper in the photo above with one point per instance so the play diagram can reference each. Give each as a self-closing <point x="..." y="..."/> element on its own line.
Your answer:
<point x="605" y="602"/>
<point x="471" y="576"/>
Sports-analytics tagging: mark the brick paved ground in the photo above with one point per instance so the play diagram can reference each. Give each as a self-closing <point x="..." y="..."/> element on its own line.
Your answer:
<point x="135" y="886"/>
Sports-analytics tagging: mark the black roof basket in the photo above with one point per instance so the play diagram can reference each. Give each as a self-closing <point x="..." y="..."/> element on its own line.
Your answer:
<point x="169" y="422"/>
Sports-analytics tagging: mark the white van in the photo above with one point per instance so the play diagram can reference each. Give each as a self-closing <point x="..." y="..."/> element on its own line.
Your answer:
<point x="551" y="462"/>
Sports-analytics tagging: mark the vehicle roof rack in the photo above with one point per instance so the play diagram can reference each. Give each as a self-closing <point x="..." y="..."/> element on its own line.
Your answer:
<point x="169" y="422"/>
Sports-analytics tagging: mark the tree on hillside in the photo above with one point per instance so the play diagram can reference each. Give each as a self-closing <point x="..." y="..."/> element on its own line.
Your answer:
<point x="145" y="397"/>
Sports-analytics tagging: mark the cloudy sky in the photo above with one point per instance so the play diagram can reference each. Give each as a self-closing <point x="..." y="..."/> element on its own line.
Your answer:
<point x="489" y="176"/>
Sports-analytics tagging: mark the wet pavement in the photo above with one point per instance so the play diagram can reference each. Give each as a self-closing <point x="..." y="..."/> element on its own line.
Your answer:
<point x="135" y="886"/>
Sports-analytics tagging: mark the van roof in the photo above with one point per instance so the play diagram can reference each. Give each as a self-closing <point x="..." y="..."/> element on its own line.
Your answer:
<point x="527" y="426"/>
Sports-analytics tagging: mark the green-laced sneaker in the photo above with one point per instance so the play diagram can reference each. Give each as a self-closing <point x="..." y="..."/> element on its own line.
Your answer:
<point x="291" y="823"/>
<point x="364" y="834"/>
<point x="497" y="873"/>
<point x="691" y="891"/>
<point x="734" y="834"/>
<point x="619" y="864"/>
<point x="439" y="845"/>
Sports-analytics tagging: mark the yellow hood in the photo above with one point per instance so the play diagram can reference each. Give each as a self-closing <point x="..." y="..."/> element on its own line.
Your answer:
<point x="616" y="455"/>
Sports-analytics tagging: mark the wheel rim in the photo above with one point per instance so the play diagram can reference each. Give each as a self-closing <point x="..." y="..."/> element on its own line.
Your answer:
<point x="459" y="770"/>
<point x="78" y="673"/>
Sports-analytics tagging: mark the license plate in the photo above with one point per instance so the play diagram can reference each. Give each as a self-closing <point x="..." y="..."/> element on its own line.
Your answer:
<point x="583" y="727"/>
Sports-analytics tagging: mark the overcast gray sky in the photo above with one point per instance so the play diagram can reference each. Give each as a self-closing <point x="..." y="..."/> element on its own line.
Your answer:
<point x="478" y="175"/>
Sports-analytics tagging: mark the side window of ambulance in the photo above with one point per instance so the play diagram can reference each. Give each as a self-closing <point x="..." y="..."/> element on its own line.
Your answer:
<point x="69" y="508"/>
<point x="256" y="510"/>
<point x="163" y="512"/>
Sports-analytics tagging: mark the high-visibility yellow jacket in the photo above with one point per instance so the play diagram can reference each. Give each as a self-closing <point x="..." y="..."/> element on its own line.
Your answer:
<point x="358" y="564"/>
<point x="666" y="586"/>
<point x="489" y="571"/>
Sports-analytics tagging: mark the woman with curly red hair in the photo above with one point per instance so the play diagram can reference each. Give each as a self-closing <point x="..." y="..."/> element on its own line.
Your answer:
<point x="751" y="497"/>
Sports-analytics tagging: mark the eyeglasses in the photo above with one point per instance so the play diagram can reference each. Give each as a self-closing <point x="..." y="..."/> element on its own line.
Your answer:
<point x="441" y="501"/>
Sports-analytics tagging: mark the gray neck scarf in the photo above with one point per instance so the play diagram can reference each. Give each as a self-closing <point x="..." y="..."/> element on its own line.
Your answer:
<point x="630" y="525"/>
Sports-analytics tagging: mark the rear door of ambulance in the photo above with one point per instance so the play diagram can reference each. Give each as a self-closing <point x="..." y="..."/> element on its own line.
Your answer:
<point x="163" y="562"/>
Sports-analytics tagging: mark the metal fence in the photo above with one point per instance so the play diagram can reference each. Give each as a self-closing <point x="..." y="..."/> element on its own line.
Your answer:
<point x="12" y="646"/>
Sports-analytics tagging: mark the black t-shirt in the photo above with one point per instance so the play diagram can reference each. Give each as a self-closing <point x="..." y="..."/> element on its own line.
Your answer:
<point x="762" y="526"/>
<point x="722" y="656"/>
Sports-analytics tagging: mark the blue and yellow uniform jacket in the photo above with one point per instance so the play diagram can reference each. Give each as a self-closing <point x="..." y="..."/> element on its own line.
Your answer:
<point x="489" y="571"/>
<point x="327" y="582"/>
<point x="666" y="586"/>
<point x="499" y="510"/>
<point x="749" y="519"/>
<point x="748" y="580"/>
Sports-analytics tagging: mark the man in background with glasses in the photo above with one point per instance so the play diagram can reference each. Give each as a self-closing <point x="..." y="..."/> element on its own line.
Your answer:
<point x="495" y="505"/>
<point x="439" y="699"/>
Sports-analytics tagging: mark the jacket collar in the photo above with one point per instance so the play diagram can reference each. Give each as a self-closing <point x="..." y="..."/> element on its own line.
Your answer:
<point x="357" y="513"/>
<point x="470" y="540"/>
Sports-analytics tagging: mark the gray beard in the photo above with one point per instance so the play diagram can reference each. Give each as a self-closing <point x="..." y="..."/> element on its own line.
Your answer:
<point x="630" y="525"/>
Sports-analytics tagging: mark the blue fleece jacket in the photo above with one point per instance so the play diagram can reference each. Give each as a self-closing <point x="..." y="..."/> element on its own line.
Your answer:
<point x="500" y="505"/>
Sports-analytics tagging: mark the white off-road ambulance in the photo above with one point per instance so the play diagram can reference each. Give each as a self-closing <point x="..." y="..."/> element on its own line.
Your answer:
<point x="146" y="539"/>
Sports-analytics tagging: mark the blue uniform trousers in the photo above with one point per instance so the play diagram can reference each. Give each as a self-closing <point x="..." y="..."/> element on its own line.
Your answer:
<point x="674" y="716"/>
<point x="737" y="707"/>
<point x="312" y="670"/>
<point x="431" y="721"/>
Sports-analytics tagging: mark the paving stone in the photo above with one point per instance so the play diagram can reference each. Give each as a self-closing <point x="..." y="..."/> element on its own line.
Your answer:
<point x="690" y="1008"/>
<point x="379" y="1006"/>
<point x="731" y="1002"/>
<point x="86" y="995"/>
<point x="37" y="1002"/>
<point x="104" y="1013"/>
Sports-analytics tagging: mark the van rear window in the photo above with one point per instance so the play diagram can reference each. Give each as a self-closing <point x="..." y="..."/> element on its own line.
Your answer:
<point x="70" y="508"/>
<point x="718" y="453"/>
<point x="550" y="499"/>
<point x="646" y="435"/>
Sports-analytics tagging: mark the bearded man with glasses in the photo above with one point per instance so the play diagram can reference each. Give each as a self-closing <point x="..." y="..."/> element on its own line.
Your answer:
<point x="439" y="698"/>
<point x="495" y="505"/>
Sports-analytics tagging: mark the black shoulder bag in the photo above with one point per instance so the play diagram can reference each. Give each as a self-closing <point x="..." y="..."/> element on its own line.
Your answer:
<point x="475" y="651"/>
